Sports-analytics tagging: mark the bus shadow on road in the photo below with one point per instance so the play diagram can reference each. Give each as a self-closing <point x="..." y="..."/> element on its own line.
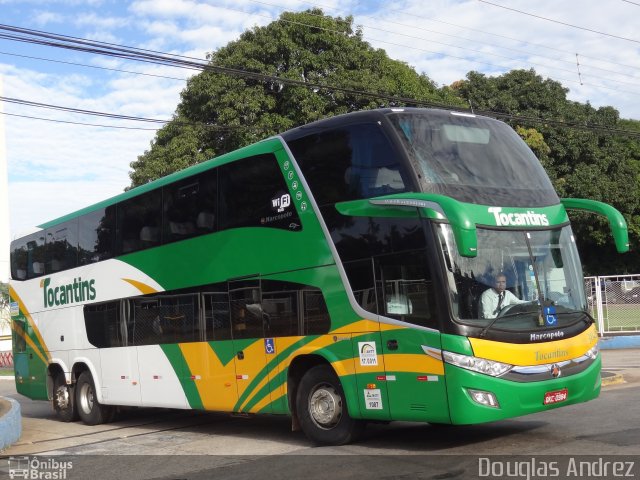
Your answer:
<point x="427" y="437"/>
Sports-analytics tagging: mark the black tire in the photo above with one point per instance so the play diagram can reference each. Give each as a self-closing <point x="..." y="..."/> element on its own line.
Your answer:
<point x="322" y="409"/>
<point x="64" y="401"/>
<point x="90" y="411"/>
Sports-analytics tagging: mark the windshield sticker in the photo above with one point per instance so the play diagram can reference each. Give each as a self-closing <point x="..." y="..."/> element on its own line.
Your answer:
<point x="368" y="354"/>
<point x="550" y="316"/>
<point x="529" y="218"/>
<point x="373" y="399"/>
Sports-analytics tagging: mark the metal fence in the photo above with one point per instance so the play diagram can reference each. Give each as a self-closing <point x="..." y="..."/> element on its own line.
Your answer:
<point x="614" y="302"/>
<point x="6" y="359"/>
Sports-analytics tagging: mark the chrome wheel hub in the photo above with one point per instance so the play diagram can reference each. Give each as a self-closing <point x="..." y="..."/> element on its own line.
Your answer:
<point x="325" y="407"/>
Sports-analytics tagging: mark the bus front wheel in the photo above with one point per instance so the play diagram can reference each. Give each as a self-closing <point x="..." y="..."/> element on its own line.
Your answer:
<point x="322" y="409"/>
<point x="64" y="402"/>
<point x="90" y="410"/>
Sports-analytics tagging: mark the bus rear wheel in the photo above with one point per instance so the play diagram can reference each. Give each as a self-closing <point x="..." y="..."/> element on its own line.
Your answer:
<point x="322" y="409"/>
<point x="90" y="410"/>
<point x="64" y="402"/>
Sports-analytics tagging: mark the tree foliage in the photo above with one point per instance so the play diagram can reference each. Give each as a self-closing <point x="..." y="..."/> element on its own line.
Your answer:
<point x="309" y="47"/>
<point x="582" y="162"/>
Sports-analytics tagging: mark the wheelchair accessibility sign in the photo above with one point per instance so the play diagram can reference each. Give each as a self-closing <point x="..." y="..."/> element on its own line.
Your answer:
<point x="269" y="346"/>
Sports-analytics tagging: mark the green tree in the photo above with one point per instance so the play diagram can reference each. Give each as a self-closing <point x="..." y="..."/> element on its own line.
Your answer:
<point x="581" y="162"/>
<point x="219" y="112"/>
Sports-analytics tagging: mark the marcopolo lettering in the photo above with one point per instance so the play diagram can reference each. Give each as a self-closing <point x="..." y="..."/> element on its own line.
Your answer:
<point x="78" y="291"/>
<point x="530" y="218"/>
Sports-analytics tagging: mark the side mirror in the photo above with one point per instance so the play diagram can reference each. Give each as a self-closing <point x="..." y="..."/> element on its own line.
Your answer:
<point x="617" y="223"/>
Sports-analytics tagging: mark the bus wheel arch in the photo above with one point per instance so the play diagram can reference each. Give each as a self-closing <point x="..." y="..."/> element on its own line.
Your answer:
<point x="321" y="407"/>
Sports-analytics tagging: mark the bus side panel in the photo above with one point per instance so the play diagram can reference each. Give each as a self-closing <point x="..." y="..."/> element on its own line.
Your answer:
<point x="369" y="365"/>
<point x="159" y="383"/>
<point x="416" y="380"/>
<point x="120" y="376"/>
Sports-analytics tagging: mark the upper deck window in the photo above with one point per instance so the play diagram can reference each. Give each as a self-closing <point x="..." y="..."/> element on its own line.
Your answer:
<point x="473" y="159"/>
<point x="349" y="162"/>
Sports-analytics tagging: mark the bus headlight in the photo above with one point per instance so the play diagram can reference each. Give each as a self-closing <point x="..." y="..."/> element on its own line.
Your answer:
<point x="480" y="365"/>
<point x="593" y="352"/>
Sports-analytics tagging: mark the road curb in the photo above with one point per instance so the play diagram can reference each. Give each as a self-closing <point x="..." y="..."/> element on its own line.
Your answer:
<point x="10" y="424"/>
<point x="609" y="378"/>
<point x="620" y="341"/>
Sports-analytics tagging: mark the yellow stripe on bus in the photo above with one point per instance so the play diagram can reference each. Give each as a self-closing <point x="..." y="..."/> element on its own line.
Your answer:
<point x="419" y="363"/>
<point x="143" y="287"/>
<point x="43" y="354"/>
<point x="536" y="353"/>
<point x="217" y="382"/>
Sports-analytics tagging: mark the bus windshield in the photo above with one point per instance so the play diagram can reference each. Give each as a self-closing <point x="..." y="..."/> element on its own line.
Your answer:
<point x="520" y="280"/>
<point x="473" y="159"/>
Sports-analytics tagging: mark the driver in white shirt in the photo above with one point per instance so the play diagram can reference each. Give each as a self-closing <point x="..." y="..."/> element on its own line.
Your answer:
<point x="493" y="300"/>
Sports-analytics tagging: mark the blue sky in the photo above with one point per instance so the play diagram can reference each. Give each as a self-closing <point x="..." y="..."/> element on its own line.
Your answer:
<point x="56" y="168"/>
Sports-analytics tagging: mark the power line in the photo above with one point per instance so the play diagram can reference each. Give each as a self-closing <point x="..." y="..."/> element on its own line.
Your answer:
<point x="562" y="23"/>
<point x="189" y="62"/>
<point x="77" y="64"/>
<point x="75" y="123"/>
<point x="413" y="47"/>
<point x="474" y="40"/>
<point x="633" y="3"/>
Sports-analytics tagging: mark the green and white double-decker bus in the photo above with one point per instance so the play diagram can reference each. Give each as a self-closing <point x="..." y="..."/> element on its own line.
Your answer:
<point x="335" y="273"/>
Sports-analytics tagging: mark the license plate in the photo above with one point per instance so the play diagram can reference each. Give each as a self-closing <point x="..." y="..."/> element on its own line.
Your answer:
<point x="556" y="396"/>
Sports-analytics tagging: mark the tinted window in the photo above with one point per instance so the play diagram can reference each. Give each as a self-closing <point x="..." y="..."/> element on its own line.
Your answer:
<point x="36" y="254"/>
<point x="164" y="319"/>
<point x="19" y="259"/>
<point x="62" y="246"/>
<point x="102" y="322"/>
<point x="360" y="275"/>
<point x="217" y="317"/>
<point x="253" y="193"/>
<point x="139" y="222"/>
<point x="355" y="161"/>
<point x="247" y="315"/>
<point x="96" y="235"/>
<point x="190" y="207"/>
<point x="280" y="302"/>
<point x="316" y="316"/>
<point x="404" y="287"/>
<point x="358" y="237"/>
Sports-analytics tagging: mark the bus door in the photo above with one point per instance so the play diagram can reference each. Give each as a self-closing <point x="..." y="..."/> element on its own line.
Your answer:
<point x="215" y="370"/>
<point x="414" y="368"/>
<point x="21" y="357"/>
<point x="250" y="346"/>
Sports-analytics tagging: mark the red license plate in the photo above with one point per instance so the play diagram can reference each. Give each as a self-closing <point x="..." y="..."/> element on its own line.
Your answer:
<point x="556" y="396"/>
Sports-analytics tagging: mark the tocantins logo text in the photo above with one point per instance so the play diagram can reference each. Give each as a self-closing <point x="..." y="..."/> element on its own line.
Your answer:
<point x="529" y="219"/>
<point x="78" y="291"/>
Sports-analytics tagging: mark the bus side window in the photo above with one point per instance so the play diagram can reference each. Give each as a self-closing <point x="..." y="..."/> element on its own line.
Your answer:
<point x="96" y="235"/>
<point x="316" y="314"/>
<point x="62" y="246"/>
<point x="217" y="318"/>
<point x="247" y="315"/>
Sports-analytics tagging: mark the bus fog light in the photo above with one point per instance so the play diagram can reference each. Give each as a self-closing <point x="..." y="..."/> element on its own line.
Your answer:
<point x="484" y="398"/>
